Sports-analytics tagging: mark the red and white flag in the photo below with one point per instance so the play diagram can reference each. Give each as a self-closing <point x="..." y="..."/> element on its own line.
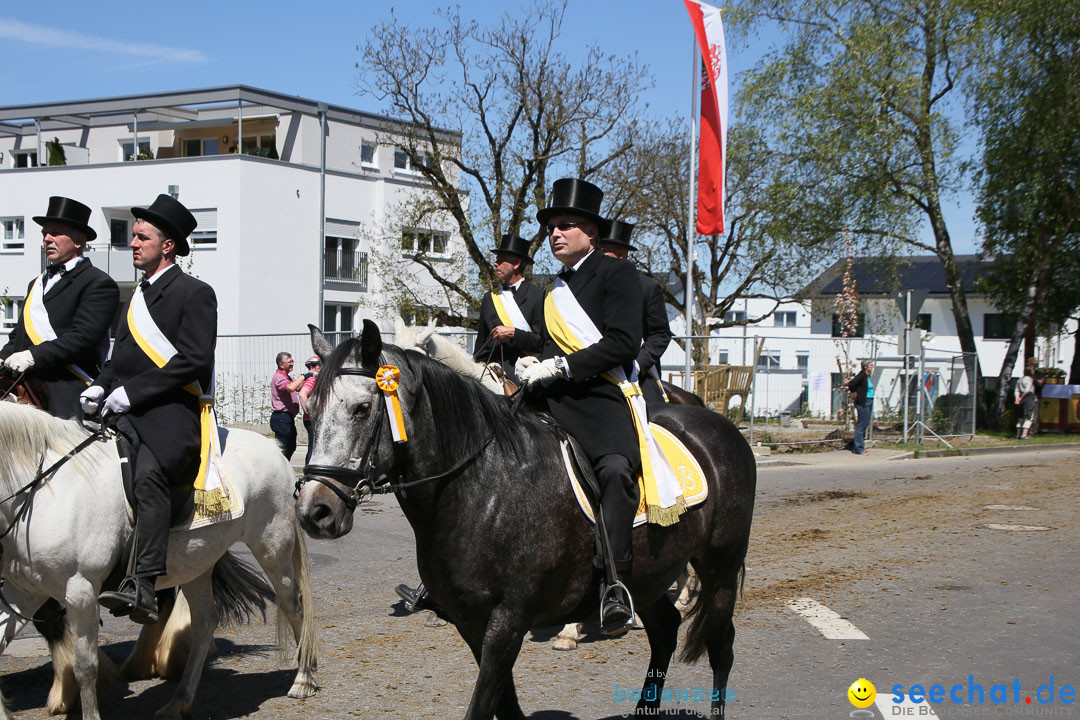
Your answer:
<point x="712" y="149"/>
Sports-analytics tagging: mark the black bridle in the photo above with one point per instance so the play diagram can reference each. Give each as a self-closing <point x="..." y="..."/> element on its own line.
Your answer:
<point x="365" y="480"/>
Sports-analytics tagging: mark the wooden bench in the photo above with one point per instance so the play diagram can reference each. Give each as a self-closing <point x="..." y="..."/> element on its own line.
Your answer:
<point x="718" y="385"/>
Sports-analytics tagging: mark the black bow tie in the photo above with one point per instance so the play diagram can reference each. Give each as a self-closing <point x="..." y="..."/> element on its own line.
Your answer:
<point x="144" y="285"/>
<point x="52" y="270"/>
<point x="567" y="274"/>
<point x="511" y="288"/>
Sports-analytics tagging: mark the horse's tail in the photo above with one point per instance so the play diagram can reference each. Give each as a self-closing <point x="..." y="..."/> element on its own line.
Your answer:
<point x="240" y="591"/>
<point x="712" y="611"/>
<point x="307" y="646"/>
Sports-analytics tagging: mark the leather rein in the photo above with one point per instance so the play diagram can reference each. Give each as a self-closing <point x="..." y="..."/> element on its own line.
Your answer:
<point x="365" y="479"/>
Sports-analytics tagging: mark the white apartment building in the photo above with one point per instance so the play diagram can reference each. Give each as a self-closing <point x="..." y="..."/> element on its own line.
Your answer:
<point x="287" y="225"/>
<point x="801" y="348"/>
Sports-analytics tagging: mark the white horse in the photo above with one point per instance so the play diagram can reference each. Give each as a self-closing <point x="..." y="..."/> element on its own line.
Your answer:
<point x="71" y="535"/>
<point x="448" y="352"/>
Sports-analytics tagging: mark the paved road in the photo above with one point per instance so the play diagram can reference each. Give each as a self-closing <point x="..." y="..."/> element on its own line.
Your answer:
<point x="903" y="550"/>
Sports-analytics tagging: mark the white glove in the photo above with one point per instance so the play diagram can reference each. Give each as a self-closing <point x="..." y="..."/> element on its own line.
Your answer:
<point x="117" y="402"/>
<point x="541" y="373"/>
<point x="523" y="362"/>
<point x="19" y="362"/>
<point x="90" y="399"/>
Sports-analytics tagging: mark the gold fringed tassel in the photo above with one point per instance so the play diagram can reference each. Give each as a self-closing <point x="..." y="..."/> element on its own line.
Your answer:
<point x="666" y="516"/>
<point x="210" y="502"/>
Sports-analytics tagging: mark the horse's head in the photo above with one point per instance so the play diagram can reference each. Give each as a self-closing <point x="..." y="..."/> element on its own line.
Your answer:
<point x="353" y="447"/>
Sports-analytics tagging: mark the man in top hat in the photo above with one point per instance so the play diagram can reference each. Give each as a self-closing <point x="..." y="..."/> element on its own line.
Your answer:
<point x="510" y="319"/>
<point x="162" y="360"/>
<point x="615" y="241"/>
<point x="592" y="408"/>
<point x="62" y="335"/>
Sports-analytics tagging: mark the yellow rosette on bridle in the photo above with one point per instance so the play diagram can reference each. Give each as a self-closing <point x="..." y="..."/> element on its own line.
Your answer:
<point x="387" y="379"/>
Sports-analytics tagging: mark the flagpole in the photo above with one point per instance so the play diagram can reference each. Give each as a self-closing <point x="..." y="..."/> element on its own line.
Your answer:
<point x="691" y="206"/>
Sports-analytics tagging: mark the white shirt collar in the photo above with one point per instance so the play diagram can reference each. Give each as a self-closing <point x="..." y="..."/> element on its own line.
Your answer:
<point x="577" y="265"/>
<point x="154" y="278"/>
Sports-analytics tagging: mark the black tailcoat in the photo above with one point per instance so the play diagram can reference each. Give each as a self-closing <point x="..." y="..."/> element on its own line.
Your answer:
<point x="163" y="413"/>
<point x="81" y="307"/>
<point x="656" y="336"/>
<point x="588" y="406"/>
<point x="531" y="301"/>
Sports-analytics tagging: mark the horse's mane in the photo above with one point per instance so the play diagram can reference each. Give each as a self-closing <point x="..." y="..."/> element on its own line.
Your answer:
<point x="452" y="397"/>
<point x="26" y="434"/>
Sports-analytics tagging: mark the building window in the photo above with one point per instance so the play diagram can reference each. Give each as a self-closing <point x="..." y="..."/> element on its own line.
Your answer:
<point x="25" y="158"/>
<point x="198" y="147"/>
<point x="127" y="150"/>
<point x="722" y="357"/>
<point x="204" y="235"/>
<point x="735" y="316"/>
<point x="9" y="313"/>
<point x="837" y="330"/>
<point x="337" y="322"/>
<point x="999" y="326"/>
<point x="922" y="321"/>
<point x="367" y="155"/>
<point x="344" y="262"/>
<point x="424" y="242"/>
<point x="768" y="361"/>
<point x="402" y="162"/>
<point x="119" y="232"/>
<point x="802" y="361"/>
<point x="784" y="318"/>
<point x="12" y="234"/>
<point x="261" y="146"/>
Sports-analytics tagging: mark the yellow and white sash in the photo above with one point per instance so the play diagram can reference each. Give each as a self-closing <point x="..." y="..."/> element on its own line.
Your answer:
<point x="508" y="311"/>
<point x="656" y="376"/>
<point x="572" y="329"/>
<point x="212" y="495"/>
<point x="38" y="326"/>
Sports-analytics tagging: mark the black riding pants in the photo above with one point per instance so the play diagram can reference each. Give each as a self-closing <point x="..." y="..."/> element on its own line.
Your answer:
<point x="619" y="498"/>
<point x="151" y="487"/>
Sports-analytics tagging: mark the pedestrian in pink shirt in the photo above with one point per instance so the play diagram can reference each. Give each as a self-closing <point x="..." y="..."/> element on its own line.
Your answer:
<point x="284" y="404"/>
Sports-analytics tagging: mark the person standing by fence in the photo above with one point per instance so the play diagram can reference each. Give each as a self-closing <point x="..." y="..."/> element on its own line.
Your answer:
<point x="313" y="365"/>
<point x="1025" y="402"/>
<point x="285" y="404"/>
<point x="863" y="387"/>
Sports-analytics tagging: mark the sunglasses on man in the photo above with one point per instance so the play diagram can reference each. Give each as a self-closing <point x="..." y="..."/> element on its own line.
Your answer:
<point x="563" y="226"/>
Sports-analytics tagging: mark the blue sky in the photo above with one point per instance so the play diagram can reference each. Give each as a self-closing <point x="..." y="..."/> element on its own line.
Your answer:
<point x="76" y="50"/>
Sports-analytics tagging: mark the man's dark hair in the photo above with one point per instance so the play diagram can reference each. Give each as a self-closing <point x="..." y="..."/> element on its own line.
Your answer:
<point x="281" y="357"/>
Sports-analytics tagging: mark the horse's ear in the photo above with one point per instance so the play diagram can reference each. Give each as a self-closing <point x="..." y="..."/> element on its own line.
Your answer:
<point x="370" y="344"/>
<point x="319" y="343"/>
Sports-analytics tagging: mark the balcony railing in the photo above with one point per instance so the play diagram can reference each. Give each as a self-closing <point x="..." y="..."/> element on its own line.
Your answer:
<point x="347" y="266"/>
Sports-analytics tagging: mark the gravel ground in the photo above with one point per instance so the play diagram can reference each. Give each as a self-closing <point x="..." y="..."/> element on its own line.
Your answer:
<point x="380" y="662"/>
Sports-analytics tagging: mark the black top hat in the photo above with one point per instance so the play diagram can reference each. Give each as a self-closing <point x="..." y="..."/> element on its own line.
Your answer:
<point x="616" y="232"/>
<point x="170" y="217"/>
<point x="570" y="196"/>
<point x="513" y="245"/>
<point x="70" y="212"/>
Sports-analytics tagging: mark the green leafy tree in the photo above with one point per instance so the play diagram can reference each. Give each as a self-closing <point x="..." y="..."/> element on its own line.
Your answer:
<point x="56" y="152"/>
<point x="1027" y="105"/>
<point x="857" y="99"/>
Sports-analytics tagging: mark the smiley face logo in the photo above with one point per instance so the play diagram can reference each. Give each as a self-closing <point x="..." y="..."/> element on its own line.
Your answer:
<point x="862" y="693"/>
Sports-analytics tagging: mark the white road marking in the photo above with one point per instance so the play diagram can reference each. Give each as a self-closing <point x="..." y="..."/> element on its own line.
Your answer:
<point x="1016" y="528"/>
<point x="1008" y="507"/>
<point x="905" y="709"/>
<point x="828" y="623"/>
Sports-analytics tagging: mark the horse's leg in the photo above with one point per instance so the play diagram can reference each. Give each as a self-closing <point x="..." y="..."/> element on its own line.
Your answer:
<point x="688" y="587"/>
<point x="713" y="627"/>
<point x="568" y="637"/>
<point x="64" y="694"/>
<point x="495" y="651"/>
<point x="204" y="619"/>
<point x="290" y="574"/>
<point x="10" y="625"/>
<point x="142" y="663"/>
<point x="661" y="621"/>
<point x="83" y="618"/>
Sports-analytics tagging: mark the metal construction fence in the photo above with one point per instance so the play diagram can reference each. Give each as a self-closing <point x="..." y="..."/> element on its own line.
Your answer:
<point x="790" y="377"/>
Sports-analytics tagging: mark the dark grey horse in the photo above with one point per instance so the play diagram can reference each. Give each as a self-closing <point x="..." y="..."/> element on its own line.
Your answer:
<point x="501" y="544"/>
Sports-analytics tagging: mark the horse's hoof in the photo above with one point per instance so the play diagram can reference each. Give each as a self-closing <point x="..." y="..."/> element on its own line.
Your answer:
<point x="433" y="620"/>
<point x="564" y="643"/>
<point x="302" y="690"/>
